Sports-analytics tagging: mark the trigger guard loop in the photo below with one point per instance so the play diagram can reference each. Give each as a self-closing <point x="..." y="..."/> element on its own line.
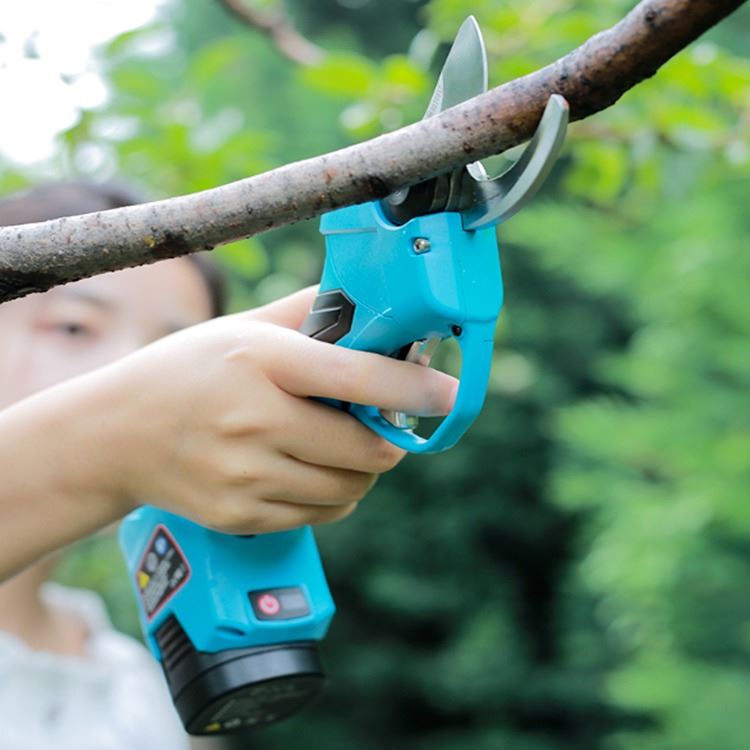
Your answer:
<point x="476" y="351"/>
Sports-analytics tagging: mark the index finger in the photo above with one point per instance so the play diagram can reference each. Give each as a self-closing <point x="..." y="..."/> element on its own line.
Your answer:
<point x="306" y="367"/>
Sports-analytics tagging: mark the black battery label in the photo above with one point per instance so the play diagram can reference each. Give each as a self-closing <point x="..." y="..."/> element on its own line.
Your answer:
<point x="162" y="572"/>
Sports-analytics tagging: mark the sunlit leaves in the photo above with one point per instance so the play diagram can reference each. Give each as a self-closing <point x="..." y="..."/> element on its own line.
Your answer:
<point x="600" y="170"/>
<point x="342" y="75"/>
<point x="380" y="95"/>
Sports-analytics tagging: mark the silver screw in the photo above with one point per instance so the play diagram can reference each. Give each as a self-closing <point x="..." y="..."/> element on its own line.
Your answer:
<point x="421" y="245"/>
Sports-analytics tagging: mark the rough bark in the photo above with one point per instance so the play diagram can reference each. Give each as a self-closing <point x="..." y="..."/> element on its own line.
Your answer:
<point x="35" y="257"/>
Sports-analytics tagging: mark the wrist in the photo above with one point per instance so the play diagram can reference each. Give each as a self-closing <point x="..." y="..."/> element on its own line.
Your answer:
<point x="60" y="462"/>
<point x="97" y="460"/>
<point x="73" y="430"/>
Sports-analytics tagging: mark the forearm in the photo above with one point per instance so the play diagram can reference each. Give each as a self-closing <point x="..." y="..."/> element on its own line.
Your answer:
<point x="56" y="452"/>
<point x="215" y="423"/>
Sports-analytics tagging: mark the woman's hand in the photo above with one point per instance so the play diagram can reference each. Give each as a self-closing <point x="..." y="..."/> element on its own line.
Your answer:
<point x="216" y="422"/>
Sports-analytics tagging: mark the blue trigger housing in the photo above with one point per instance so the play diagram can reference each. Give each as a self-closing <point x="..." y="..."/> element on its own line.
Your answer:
<point x="393" y="293"/>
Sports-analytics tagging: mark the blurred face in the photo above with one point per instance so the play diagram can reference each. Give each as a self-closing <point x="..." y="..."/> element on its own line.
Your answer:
<point x="47" y="338"/>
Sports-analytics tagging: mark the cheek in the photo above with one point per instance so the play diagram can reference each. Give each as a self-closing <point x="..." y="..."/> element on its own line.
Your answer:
<point x="14" y="375"/>
<point x="15" y="371"/>
<point x="31" y="363"/>
<point x="27" y="368"/>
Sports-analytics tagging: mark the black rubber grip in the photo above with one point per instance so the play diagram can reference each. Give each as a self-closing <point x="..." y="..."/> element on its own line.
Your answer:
<point x="330" y="317"/>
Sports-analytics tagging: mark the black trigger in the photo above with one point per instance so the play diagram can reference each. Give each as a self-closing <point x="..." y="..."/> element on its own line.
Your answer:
<point x="330" y="318"/>
<point x="403" y="352"/>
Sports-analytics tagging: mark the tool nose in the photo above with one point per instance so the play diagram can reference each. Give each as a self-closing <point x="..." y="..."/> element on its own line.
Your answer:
<point x="497" y="199"/>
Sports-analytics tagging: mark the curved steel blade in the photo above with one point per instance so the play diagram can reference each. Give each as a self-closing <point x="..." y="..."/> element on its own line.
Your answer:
<point x="496" y="200"/>
<point x="464" y="72"/>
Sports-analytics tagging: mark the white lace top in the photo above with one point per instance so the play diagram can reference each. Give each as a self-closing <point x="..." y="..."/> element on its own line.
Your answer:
<point x="116" y="699"/>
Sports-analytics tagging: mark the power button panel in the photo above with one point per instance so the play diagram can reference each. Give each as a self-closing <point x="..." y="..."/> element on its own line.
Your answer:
<point x="279" y="604"/>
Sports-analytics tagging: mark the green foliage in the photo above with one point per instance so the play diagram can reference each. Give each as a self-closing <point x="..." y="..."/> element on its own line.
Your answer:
<point x="664" y="466"/>
<point x="573" y="574"/>
<point x="96" y="563"/>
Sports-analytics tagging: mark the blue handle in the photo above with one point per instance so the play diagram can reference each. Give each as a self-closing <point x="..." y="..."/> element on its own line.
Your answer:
<point x="476" y="350"/>
<point x="217" y="571"/>
<point x="386" y="286"/>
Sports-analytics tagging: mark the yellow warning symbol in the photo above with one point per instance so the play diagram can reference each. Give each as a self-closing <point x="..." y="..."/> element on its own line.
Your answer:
<point x="143" y="579"/>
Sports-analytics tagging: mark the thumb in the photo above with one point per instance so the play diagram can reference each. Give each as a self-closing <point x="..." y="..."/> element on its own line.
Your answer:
<point x="289" y="311"/>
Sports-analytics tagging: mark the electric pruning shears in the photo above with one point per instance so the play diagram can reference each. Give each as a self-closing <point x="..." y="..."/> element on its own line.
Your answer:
<point x="235" y="620"/>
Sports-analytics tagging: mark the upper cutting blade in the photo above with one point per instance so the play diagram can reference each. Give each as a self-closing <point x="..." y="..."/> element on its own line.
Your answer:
<point x="464" y="72"/>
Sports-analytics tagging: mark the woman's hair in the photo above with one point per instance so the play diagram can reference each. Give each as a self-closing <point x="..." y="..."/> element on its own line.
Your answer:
<point x="214" y="279"/>
<point x="55" y="200"/>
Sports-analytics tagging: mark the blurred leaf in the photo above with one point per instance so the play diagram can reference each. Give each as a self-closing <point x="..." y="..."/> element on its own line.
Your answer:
<point x="342" y="75"/>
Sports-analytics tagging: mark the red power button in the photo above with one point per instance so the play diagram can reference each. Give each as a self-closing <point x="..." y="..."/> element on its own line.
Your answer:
<point x="268" y="604"/>
<point x="282" y="603"/>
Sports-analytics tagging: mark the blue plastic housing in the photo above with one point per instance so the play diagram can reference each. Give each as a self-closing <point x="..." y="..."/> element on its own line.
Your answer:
<point x="402" y="294"/>
<point x="212" y="603"/>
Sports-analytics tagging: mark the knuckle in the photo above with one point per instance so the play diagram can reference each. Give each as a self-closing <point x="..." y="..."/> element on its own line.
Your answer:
<point x="244" y="358"/>
<point x="346" y="511"/>
<point x="358" y="486"/>
<point x="234" y="516"/>
<point x="230" y="424"/>
<point x="241" y="353"/>
<point x="345" y="487"/>
<point x="229" y="467"/>
<point x="240" y="474"/>
<point x="234" y="422"/>
<point x="261" y="417"/>
<point x="331" y="515"/>
<point x="370" y="481"/>
<point x="385" y="455"/>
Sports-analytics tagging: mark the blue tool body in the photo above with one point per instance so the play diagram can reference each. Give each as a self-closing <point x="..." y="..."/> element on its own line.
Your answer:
<point x="401" y="294"/>
<point x="205" y="578"/>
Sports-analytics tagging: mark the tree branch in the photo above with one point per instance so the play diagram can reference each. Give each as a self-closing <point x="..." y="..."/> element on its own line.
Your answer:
<point x="276" y="25"/>
<point x="35" y="257"/>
